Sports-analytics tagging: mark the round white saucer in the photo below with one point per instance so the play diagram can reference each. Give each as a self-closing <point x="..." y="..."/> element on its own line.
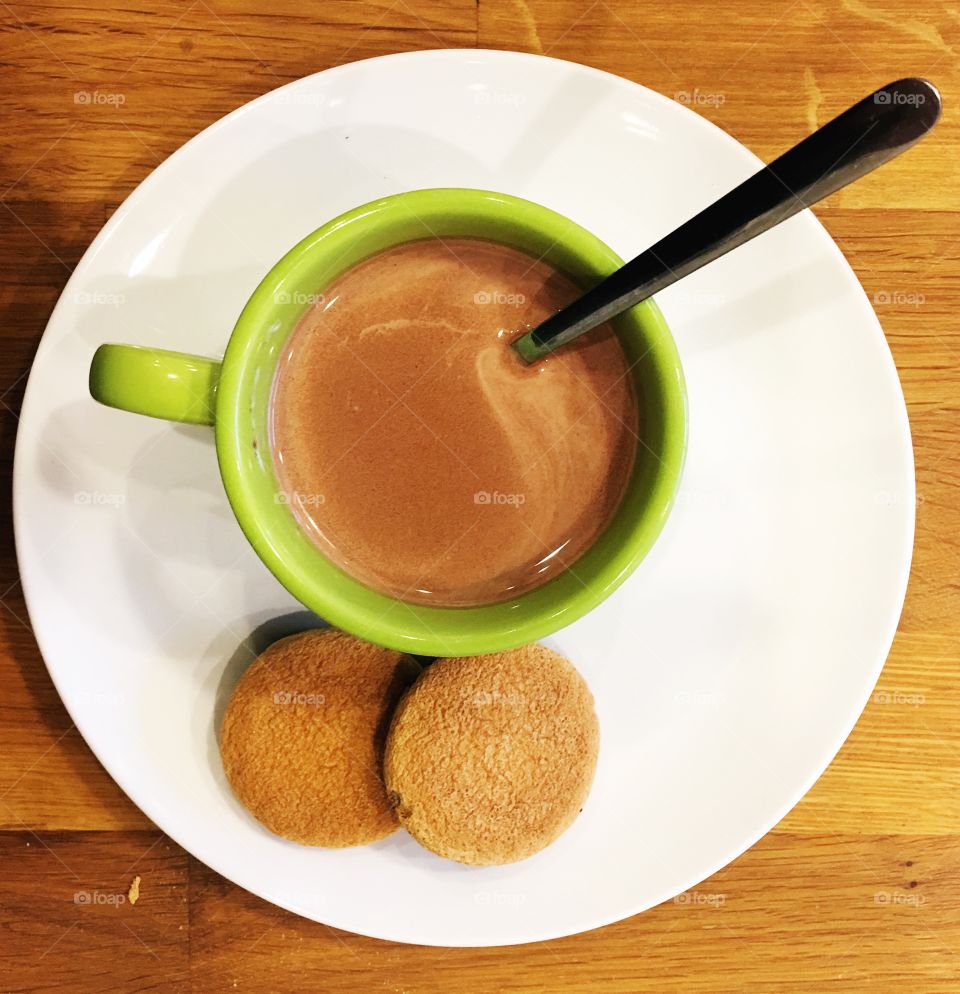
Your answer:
<point x="727" y="671"/>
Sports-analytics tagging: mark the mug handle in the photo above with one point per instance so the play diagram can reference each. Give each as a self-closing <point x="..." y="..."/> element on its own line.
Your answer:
<point x="175" y="386"/>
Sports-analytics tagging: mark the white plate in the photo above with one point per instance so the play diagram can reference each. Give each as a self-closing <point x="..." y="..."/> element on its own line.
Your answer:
<point x="727" y="671"/>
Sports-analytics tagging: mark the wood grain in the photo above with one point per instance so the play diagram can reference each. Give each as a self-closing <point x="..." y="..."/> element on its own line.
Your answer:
<point x="857" y="889"/>
<point x="704" y="941"/>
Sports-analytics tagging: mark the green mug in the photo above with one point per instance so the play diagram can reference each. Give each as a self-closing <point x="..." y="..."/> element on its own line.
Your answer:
<point x="233" y="395"/>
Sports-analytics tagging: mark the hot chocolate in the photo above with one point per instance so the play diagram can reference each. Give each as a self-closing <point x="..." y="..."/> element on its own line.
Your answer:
<point x="419" y="452"/>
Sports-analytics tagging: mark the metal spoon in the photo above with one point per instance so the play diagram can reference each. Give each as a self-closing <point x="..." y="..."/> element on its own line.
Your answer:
<point x="865" y="136"/>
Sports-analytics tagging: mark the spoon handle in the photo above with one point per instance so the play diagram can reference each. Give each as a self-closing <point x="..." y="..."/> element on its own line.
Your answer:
<point x="865" y="136"/>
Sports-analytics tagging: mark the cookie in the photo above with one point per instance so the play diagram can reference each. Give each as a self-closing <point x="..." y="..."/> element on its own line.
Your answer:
<point x="303" y="734"/>
<point x="490" y="758"/>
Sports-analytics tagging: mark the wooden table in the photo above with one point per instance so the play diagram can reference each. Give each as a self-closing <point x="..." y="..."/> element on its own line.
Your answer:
<point x="859" y="887"/>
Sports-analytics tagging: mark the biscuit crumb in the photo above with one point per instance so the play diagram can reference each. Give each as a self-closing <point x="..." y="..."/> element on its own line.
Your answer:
<point x="133" y="894"/>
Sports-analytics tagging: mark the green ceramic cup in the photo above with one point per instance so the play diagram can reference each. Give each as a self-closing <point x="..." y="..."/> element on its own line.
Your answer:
<point x="233" y="395"/>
